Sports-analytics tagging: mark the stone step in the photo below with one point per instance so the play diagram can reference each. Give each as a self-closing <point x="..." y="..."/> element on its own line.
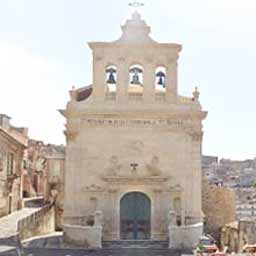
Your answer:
<point x="99" y="252"/>
<point x="135" y="244"/>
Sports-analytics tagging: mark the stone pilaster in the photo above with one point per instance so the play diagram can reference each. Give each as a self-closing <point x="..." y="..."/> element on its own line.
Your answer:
<point x="196" y="140"/>
<point x="99" y="78"/>
<point x="171" y="82"/>
<point x="149" y="83"/>
<point x="122" y="81"/>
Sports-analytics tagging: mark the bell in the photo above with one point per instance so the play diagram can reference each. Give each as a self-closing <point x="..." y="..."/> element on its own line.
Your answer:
<point x="135" y="79"/>
<point x="111" y="79"/>
<point x="161" y="80"/>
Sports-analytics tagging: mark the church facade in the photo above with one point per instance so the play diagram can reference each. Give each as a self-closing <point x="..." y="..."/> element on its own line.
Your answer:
<point x="133" y="156"/>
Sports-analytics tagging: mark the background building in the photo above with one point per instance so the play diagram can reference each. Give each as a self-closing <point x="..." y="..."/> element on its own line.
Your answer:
<point x="13" y="143"/>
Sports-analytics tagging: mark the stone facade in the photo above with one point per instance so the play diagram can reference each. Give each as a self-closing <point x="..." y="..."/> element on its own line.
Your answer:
<point x="13" y="142"/>
<point x="137" y="139"/>
<point x="219" y="207"/>
<point x="237" y="234"/>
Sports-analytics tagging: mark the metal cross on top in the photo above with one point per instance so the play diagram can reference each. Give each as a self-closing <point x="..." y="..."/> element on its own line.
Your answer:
<point x="136" y="4"/>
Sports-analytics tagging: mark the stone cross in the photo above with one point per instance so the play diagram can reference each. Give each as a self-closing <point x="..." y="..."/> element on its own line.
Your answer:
<point x="136" y="4"/>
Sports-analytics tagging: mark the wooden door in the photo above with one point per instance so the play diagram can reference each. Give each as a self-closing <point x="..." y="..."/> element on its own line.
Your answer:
<point x="135" y="215"/>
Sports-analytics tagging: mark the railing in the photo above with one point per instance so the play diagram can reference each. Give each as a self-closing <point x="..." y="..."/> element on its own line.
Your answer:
<point x="135" y="97"/>
<point x="110" y="96"/>
<point x="185" y="100"/>
<point x="160" y="97"/>
<point x="38" y="223"/>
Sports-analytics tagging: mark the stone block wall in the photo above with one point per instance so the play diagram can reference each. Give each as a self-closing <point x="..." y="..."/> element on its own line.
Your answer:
<point x="218" y="204"/>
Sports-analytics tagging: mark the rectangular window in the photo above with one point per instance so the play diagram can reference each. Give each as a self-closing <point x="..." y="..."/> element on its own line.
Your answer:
<point x="10" y="164"/>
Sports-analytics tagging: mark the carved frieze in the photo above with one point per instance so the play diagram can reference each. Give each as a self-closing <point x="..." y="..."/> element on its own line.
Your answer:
<point x="176" y="124"/>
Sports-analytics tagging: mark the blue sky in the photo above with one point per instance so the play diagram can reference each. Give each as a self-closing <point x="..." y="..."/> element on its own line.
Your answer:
<point x="43" y="52"/>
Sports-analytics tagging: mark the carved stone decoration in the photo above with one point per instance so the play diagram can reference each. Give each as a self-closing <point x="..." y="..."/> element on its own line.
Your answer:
<point x="93" y="188"/>
<point x="114" y="167"/>
<point x="136" y="180"/>
<point x="98" y="219"/>
<point x="136" y="147"/>
<point x="175" y="188"/>
<point x="172" y="218"/>
<point x="153" y="168"/>
<point x="196" y="136"/>
<point x="71" y="136"/>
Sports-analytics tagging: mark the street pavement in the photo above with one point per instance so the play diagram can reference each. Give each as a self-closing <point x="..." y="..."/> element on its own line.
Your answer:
<point x="102" y="252"/>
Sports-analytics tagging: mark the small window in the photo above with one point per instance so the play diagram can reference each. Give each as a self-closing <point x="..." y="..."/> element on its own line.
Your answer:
<point x="10" y="164"/>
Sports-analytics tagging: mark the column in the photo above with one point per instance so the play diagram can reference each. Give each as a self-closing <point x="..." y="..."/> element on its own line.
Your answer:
<point x="99" y="82"/>
<point x="172" y="82"/>
<point x="149" y="83"/>
<point x="122" y="81"/>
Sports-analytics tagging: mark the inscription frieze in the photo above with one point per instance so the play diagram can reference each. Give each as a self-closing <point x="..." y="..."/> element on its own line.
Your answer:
<point x="135" y="122"/>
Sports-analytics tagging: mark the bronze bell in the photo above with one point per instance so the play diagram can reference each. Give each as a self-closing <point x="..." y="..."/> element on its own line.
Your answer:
<point x="161" y="80"/>
<point x="135" y="77"/>
<point x="111" y="77"/>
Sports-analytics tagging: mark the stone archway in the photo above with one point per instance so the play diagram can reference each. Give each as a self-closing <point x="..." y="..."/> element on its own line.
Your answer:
<point x="135" y="216"/>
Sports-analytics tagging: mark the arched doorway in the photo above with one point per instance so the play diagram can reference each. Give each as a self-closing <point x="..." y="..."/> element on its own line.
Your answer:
<point x="135" y="215"/>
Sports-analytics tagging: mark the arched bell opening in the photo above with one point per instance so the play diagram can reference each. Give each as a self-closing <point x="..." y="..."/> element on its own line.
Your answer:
<point x="160" y="79"/>
<point x="135" y="216"/>
<point x="111" y="79"/>
<point x="136" y="79"/>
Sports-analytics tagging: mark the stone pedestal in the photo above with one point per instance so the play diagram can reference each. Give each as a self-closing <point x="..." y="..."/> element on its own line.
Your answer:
<point x="89" y="237"/>
<point x="185" y="236"/>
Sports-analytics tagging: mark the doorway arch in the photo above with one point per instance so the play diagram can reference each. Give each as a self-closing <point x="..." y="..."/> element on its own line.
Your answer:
<point x="135" y="216"/>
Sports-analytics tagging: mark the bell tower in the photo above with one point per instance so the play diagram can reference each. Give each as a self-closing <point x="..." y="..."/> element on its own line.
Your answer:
<point x="135" y="55"/>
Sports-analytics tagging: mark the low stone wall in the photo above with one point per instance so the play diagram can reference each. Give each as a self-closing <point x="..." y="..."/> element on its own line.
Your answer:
<point x="89" y="237"/>
<point x="185" y="237"/>
<point x="40" y="222"/>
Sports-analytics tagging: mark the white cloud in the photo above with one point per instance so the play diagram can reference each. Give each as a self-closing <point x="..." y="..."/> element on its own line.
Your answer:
<point x="30" y="87"/>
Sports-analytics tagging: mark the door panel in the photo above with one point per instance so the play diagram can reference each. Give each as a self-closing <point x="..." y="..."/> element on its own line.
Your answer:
<point x="135" y="214"/>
